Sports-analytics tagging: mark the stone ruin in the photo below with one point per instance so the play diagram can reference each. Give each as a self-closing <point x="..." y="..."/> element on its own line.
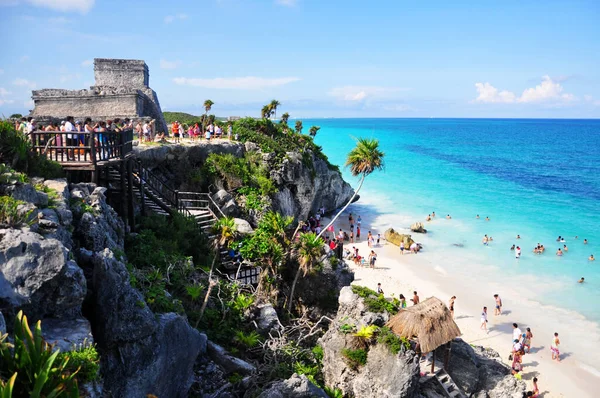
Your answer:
<point x="121" y="91"/>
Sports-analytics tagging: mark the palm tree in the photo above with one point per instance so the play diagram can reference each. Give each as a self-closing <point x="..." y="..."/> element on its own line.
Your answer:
<point x="298" y="127"/>
<point x="225" y="232"/>
<point x="309" y="250"/>
<point x="364" y="159"/>
<point x="265" y="112"/>
<point x="284" y="118"/>
<point x="313" y="130"/>
<point x="273" y="106"/>
<point x="207" y="107"/>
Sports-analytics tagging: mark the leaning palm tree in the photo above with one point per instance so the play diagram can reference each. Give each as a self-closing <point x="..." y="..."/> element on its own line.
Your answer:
<point x="284" y="118"/>
<point x="265" y="112"/>
<point x="207" y="107"/>
<point x="273" y="105"/>
<point x="310" y="247"/>
<point x="364" y="159"/>
<point x="225" y="232"/>
<point x="313" y="130"/>
<point x="298" y="126"/>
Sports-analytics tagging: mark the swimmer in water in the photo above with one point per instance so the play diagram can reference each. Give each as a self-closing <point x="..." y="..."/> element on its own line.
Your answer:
<point x="518" y="236"/>
<point x="433" y="214"/>
<point x="565" y="248"/>
<point x="477" y="216"/>
<point x="559" y="252"/>
<point x="585" y="241"/>
<point x="485" y="240"/>
<point x="487" y="219"/>
<point x="512" y="247"/>
<point x="591" y="257"/>
<point x="581" y="280"/>
<point x="448" y="217"/>
<point x="428" y="218"/>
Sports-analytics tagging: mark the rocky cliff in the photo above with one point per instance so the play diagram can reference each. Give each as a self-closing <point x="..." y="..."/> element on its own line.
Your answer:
<point x="303" y="184"/>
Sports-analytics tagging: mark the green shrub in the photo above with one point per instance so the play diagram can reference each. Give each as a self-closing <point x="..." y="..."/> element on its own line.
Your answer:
<point x="40" y="372"/>
<point x="10" y="214"/>
<point x="393" y="342"/>
<point x="85" y="361"/>
<point x="318" y="353"/>
<point x="363" y="291"/>
<point x="347" y="328"/>
<point x="247" y="340"/>
<point x="11" y="177"/>
<point x="375" y="302"/>
<point x="355" y="358"/>
<point x="312" y="372"/>
<point x="333" y="392"/>
<point x="54" y="198"/>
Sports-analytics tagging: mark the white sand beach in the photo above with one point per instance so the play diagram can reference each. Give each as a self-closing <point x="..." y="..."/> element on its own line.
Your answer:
<point x="407" y="273"/>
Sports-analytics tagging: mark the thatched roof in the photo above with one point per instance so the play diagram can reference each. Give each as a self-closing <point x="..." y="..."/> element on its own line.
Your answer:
<point x="430" y="321"/>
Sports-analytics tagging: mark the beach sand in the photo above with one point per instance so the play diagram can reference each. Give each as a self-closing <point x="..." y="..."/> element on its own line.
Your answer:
<point x="409" y="272"/>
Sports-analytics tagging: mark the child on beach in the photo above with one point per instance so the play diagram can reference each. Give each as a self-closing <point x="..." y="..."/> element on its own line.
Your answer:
<point x="402" y="247"/>
<point x="379" y="289"/>
<point x="484" y="320"/>
<point x="498" y="310"/>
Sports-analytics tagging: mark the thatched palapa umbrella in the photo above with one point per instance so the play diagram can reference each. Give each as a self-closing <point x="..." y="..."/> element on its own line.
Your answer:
<point x="429" y="321"/>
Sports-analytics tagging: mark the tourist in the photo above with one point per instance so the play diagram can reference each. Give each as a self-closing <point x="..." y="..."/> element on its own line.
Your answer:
<point x="433" y="214"/>
<point x="477" y="216"/>
<point x="379" y="289"/>
<point x="428" y="217"/>
<point x="159" y="137"/>
<point x="484" y="320"/>
<point x="527" y="336"/>
<point x="402" y="301"/>
<point x="207" y="135"/>
<point x="516" y="332"/>
<point x="372" y="259"/>
<point x="498" y="309"/>
<point x="351" y="220"/>
<point x="518" y="252"/>
<point x="585" y="242"/>
<point x="518" y="236"/>
<point x="138" y="131"/>
<point x="591" y="257"/>
<point x="559" y="252"/>
<point x="451" y="305"/>
<point x="181" y="132"/>
<point x="415" y="298"/>
<point x="351" y="235"/>
<point x="229" y="131"/>
<point x="485" y="240"/>
<point x="358" y="233"/>
<point x="512" y="248"/>
<point x="554" y="348"/>
<point x="196" y="131"/>
<point x="565" y="248"/>
<point x="175" y="131"/>
<point x="369" y="239"/>
<point x="487" y="219"/>
<point x="211" y="129"/>
<point x="71" y="138"/>
<point x="146" y="131"/>
<point x="536" y="389"/>
<point x="414" y="248"/>
<point x="559" y="239"/>
<point x="219" y="132"/>
<point x="341" y="234"/>
<point x="448" y="217"/>
<point x="581" y="280"/>
<point x="379" y="239"/>
<point x="402" y="247"/>
<point x="358" y="221"/>
<point x="491" y="239"/>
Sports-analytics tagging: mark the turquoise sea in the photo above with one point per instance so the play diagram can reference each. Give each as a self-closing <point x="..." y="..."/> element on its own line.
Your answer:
<point x="536" y="178"/>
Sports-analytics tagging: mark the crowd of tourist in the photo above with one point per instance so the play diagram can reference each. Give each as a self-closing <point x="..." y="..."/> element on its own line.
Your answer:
<point x="195" y="131"/>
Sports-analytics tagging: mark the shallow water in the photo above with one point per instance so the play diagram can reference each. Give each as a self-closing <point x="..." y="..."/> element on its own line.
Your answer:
<point x="536" y="178"/>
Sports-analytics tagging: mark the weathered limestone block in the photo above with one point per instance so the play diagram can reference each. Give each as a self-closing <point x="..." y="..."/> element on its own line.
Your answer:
<point x="395" y="238"/>
<point x="297" y="386"/>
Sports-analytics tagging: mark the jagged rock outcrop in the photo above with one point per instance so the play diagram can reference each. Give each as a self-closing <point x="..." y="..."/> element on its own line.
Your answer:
<point x="297" y="386"/>
<point x="418" y="227"/>
<point x="301" y="189"/>
<point x="395" y="238"/>
<point x="384" y="374"/>
<point x="142" y="354"/>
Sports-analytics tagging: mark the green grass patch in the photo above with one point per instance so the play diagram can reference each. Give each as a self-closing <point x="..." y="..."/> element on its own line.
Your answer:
<point x="355" y="358"/>
<point x="10" y="214"/>
<point x="393" y="342"/>
<point x="85" y="359"/>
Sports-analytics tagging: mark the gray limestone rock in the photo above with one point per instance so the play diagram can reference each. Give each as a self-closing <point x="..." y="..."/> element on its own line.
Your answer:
<point x="27" y="193"/>
<point x="2" y="324"/>
<point x="242" y="226"/>
<point x="297" y="386"/>
<point x="37" y="276"/>
<point x="267" y="318"/>
<point x="67" y="334"/>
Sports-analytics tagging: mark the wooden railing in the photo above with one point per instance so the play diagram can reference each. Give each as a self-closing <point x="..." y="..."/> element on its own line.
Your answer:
<point x="79" y="147"/>
<point x="194" y="200"/>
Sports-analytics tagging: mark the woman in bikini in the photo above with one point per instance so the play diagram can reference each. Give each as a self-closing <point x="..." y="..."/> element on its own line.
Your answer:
<point x="527" y="340"/>
<point x="554" y="348"/>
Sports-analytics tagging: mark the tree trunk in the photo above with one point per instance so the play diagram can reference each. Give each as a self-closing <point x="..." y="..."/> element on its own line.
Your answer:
<point x="343" y="208"/>
<point x="207" y="292"/>
<point x="294" y="288"/>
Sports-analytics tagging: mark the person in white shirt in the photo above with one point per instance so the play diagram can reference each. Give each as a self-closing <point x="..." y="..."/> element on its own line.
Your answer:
<point x="229" y="132"/>
<point x="484" y="320"/>
<point x="181" y="131"/>
<point x="71" y="138"/>
<point x="517" y="334"/>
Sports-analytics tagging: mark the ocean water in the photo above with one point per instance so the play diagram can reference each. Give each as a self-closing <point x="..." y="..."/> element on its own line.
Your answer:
<point x="536" y="178"/>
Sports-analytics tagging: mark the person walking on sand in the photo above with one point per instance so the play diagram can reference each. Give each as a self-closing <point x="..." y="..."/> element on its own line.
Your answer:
<point x="484" y="320"/>
<point x="498" y="309"/>
<point x="378" y="239"/>
<point x="415" y="298"/>
<point x="372" y="259"/>
<point x="402" y="301"/>
<point x="358" y="233"/>
<point x="370" y="239"/>
<point x="358" y="221"/>
<point x="554" y="348"/>
<point x="517" y="334"/>
<point x="451" y="305"/>
<point x="527" y="340"/>
<point x="536" y="389"/>
<point x="402" y="247"/>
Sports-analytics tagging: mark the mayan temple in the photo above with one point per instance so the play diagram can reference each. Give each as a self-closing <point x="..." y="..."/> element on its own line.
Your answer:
<point x="121" y="90"/>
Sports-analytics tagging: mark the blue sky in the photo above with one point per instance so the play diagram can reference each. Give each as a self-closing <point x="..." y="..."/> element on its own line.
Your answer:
<point x="318" y="58"/>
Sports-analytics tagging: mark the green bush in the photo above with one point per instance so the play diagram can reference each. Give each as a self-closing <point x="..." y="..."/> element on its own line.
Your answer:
<point x="247" y="340"/>
<point x="11" y="177"/>
<point x="54" y="197"/>
<point x="333" y="392"/>
<point x="312" y="372"/>
<point x="375" y="302"/>
<point x="10" y="214"/>
<point x="39" y="370"/>
<point x="318" y="353"/>
<point x="85" y="361"/>
<point x="355" y="358"/>
<point x="393" y="342"/>
<point x="347" y="328"/>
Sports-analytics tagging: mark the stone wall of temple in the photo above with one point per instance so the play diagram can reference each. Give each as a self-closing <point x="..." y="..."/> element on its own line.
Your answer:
<point x="121" y="73"/>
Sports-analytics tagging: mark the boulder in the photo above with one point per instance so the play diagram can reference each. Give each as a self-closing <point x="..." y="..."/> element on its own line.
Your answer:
<point x="67" y="334"/>
<point x="267" y="318"/>
<point x="2" y="324"/>
<point x="242" y="226"/>
<point x="27" y="193"/>
<point x="38" y="277"/>
<point x="227" y="362"/>
<point x="395" y="238"/>
<point x="143" y="353"/>
<point x="418" y="227"/>
<point x="297" y="386"/>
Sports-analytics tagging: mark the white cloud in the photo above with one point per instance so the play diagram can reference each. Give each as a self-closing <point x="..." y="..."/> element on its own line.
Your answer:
<point x="87" y="62"/>
<point x="547" y="91"/>
<point x="4" y="92"/>
<point x="172" y="18"/>
<point x="82" y="6"/>
<point x="589" y="99"/>
<point x="23" y="83"/>
<point x="489" y="93"/>
<point x="359" y="93"/>
<point x="164" y="64"/>
<point x="240" y="83"/>
<point x="398" y="108"/>
<point x="287" y="3"/>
